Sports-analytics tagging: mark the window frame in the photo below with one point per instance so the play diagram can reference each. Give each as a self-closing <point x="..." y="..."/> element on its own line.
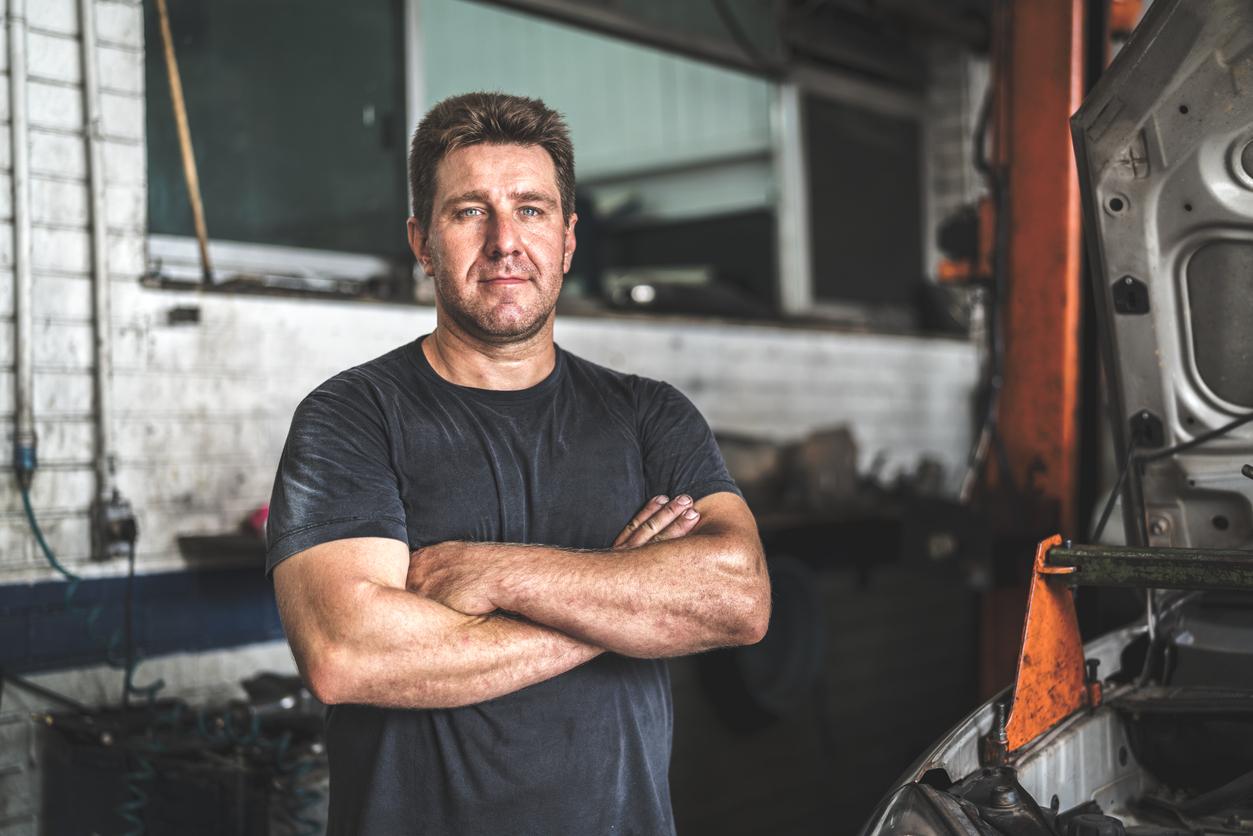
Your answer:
<point x="792" y="211"/>
<point x="176" y="258"/>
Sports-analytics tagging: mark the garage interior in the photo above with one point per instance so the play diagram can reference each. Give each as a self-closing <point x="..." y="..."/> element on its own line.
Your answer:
<point x="848" y="230"/>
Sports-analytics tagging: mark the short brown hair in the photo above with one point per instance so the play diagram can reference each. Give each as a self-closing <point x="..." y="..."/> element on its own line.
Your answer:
<point x="494" y="118"/>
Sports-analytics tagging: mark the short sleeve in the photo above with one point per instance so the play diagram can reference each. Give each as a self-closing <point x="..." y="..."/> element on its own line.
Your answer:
<point x="679" y="450"/>
<point x="335" y="478"/>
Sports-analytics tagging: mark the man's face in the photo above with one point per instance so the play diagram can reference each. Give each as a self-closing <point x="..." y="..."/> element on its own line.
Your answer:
<point x="497" y="246"/>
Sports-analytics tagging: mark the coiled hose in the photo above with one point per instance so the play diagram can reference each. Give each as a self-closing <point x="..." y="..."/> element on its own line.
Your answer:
<point x="119" y="653"/>
<point x="297" y="798"/>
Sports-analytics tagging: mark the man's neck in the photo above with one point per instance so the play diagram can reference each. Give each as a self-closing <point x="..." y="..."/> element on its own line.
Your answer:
<point x="459" y="358"/>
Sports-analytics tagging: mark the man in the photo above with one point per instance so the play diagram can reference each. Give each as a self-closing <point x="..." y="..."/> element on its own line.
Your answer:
<point x="446" y="533"/>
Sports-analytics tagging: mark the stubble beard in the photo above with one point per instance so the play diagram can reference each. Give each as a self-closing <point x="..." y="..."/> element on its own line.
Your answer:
<point x="478" y="321"/>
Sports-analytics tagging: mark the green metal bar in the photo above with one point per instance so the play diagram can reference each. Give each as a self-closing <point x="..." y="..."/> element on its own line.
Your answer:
<point x="1154" y="568"/>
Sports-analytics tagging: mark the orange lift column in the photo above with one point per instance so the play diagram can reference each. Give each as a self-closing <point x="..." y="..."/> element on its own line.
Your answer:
<point x="1038" y="69"/>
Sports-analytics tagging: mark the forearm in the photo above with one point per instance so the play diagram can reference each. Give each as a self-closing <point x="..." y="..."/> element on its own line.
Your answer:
<point x="405" y="651"/>
<point x="682" y="596"/>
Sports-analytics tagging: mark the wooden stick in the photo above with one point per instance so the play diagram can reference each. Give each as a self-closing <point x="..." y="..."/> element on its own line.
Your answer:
<point x="184" y="141"/>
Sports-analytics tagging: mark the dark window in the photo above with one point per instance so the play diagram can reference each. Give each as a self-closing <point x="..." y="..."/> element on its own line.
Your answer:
<point x="865" y="199"/>
<point x="297" y="118"/>
<point x="738" y="250"/>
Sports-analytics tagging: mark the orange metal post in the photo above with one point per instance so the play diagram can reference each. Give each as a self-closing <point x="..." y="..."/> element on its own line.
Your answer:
<point x="1039" y="66"/>
<point x="1040" y="400"/>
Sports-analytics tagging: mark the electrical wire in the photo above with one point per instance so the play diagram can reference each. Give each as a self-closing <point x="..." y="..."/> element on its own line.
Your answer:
<point x="142" y="774"/>
<point x="1138" y="461"/>
<point x="1114" y="494"/>
<point x="1133" y="462"/>
<point x="988" y="439"/>
<point x="1209" y="435"/>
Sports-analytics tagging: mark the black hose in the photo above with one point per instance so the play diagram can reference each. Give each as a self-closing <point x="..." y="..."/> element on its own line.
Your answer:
<point x="1113" y="494"/>
<point x="993" y="380"/>
<point x="1135" y="461"/>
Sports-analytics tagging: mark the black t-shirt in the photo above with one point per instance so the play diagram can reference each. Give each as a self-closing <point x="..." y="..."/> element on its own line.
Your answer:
<point x="390" y="449"/>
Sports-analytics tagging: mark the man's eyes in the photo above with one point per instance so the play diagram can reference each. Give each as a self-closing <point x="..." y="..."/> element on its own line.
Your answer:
<point x="478" y="211"/>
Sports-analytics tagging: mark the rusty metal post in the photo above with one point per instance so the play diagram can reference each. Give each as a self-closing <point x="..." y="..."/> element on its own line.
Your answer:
<point x="1040" y="399"/>
<point x="1039" y="72"/>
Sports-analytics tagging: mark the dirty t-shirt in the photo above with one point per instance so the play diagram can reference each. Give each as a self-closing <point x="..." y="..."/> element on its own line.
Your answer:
<point x="390" y="449"/>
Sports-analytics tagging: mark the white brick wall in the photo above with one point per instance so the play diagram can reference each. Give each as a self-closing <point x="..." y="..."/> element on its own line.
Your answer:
<point x="60" y="258"/>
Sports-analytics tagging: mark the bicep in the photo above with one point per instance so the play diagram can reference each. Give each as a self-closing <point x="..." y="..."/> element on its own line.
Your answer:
<point x="320" y="591"/>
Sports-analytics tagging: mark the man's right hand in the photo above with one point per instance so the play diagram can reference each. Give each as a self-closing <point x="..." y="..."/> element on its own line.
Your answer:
<point x="660" y="519"/>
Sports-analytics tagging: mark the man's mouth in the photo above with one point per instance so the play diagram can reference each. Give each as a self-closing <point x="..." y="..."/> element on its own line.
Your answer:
<point x="504" y="280"/>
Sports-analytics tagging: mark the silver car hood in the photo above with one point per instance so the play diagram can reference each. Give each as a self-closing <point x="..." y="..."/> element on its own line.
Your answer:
<point x="1164" y="145"/>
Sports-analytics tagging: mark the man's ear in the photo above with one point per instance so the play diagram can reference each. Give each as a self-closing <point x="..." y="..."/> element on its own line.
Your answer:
<point x="419" y="244"/>
<point x="569" y="243"/>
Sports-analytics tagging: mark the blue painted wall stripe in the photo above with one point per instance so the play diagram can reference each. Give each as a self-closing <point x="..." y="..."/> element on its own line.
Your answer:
<point x="175" y="612"/>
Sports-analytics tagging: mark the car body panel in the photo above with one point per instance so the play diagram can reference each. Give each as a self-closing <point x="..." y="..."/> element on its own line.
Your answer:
<point x="1164" y="145"/>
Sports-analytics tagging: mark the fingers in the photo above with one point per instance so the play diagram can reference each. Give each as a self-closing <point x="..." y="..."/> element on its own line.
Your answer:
<point x="681" y="525"/>
<point x="656" y="518"/>
<point x="651" y="507"/>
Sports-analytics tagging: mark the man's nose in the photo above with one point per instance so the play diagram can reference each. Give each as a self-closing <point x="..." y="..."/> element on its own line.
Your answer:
<point x="502" y="236"/>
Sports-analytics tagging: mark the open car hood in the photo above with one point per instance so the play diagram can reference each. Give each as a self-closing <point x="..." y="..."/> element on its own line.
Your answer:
<point x="1164" y="144"/>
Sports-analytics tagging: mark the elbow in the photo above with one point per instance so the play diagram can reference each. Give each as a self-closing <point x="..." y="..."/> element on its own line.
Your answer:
<point x="756" y="618"/>
<point x="336" y="675"/>
<point x="328" y="678"/>
<point x="752" y="611"/>
<point x="746" y="605"/>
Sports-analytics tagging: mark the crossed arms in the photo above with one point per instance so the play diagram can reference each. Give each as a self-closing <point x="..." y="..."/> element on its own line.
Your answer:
<point x="369" y="623"/>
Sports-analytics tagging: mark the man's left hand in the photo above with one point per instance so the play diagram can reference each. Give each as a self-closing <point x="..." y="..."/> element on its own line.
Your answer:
<point x="661" y="518"/>
<point x="448" y="572"/>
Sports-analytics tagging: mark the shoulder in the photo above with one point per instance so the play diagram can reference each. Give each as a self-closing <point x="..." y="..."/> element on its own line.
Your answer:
<point x="653" y="407"/>
<point x="639" y="390"/>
